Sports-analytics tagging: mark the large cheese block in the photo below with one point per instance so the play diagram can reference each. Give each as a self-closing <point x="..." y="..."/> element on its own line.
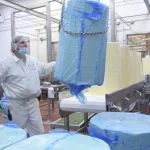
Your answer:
<point x="139" y="68"/>
<point x="113" y="68"/>
<point x="82" y="45"/>
<point x="124" y="66"/>
<point x="112" y="71"/>
<point x="132" y="67"/>
<point x="60" y="141"/>
<point x="122" y="131"/>
<point x="10" y="134"/>
<point x="146" y="65"/>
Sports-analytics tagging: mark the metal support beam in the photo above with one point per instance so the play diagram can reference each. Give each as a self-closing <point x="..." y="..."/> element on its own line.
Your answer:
<point x="112" y="20"/>
<point x="22" y="8"/>
<point x="27" y="10"/>
<point x="59" y="1"/>
<point x="29" y="51"/>
<point x="147" y="5"/>
<point x="66" y="123"/>
<point x="52" y="18"/>
<point x="12" y="25"/>
<point x="48" y="28"/>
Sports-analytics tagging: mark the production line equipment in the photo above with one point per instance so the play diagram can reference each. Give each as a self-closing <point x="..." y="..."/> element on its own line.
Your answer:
<point x="129" y="99"/>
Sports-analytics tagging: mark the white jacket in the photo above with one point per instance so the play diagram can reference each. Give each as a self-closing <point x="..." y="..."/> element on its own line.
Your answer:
<point x="20" y="80"/>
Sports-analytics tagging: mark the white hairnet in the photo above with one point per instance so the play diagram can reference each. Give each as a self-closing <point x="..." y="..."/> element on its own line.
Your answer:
<point x="16" y="40"/>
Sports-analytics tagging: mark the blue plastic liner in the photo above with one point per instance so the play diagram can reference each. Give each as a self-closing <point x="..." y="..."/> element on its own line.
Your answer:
<point x="122" y="131"/>
<point x="10" y="134"/>
<point x="82" y="45"/>
<point x="5" y="119"/>
<point x="60" y="140"/>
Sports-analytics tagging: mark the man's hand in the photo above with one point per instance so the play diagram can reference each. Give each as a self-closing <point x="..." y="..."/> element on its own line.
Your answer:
<point x="1" y="106"/>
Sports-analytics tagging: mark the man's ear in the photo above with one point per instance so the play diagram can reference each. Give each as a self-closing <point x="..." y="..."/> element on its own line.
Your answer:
<point x="14" y="47"/>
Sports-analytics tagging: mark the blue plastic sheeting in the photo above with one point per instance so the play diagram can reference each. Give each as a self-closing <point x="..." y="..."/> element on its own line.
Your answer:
<point x="122" y="131"/>
<point x="10" y="134"/>
<point x="60" y="141"/>
<point x="4" y="97"/>
<point x="5" y="119"/>
<point x="81" y="58"/>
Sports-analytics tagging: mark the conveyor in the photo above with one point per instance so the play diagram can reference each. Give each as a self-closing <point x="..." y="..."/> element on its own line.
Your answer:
<point x="121" y="100"/>
<point x="128" y="99"/>
<point x="147" y="91"/>
<point x="94" y="104"/>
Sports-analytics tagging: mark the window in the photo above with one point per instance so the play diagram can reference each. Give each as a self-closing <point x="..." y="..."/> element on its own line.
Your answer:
<point x="139" y="42"/>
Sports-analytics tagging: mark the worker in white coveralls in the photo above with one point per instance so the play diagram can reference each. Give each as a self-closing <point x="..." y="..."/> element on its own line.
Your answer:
<point x="19" y="76"/>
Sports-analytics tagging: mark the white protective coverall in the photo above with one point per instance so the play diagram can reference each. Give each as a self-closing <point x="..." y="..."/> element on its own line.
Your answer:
<point x="21" y="83"/>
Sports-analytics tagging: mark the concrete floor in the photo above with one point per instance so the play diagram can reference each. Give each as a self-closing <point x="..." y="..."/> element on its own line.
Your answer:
<point x="44" y="113"/>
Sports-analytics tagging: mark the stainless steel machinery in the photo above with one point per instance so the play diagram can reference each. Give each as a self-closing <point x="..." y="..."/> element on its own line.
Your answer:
<point x="129" y="99"/>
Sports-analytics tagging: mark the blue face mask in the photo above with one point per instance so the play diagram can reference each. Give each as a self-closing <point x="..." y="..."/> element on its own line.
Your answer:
<point x="23" y="51"/>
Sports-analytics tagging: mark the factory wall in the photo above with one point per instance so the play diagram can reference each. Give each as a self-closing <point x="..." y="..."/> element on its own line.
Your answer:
<point x="29" y="26"/>
<point x="136" y="17"/>
<point x="128" y="25"/>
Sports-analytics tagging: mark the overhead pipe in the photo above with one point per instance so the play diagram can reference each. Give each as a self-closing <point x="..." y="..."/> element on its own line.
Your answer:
<point x="147" y="5"/>
<point x="22" y="8"/>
